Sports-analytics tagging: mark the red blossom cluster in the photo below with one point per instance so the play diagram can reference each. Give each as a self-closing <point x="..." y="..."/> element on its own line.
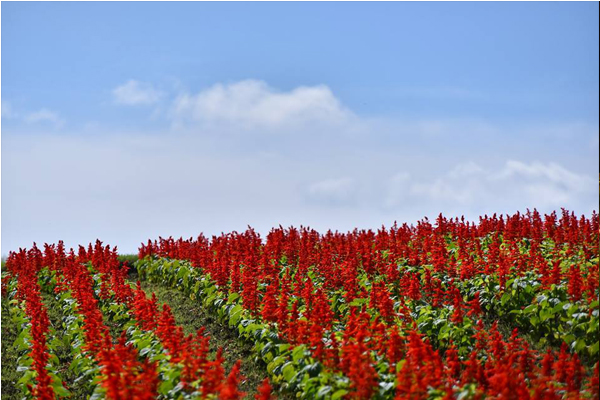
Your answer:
<point x="310" y="288"/>
<point x="264" y="391"/>
<point x="119" y="363"/>
<point x="511" y="370"/>
<point x="304" y="272"/>
<point x="241" y="261"/>
<point x="125" y="377"/>
<point x="25" y="266"/>
<point x="356" y="361"/>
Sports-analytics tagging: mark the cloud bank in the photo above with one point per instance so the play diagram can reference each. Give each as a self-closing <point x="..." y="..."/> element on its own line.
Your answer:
<point x="327" y="168"/>
<point x="515" y="185"/>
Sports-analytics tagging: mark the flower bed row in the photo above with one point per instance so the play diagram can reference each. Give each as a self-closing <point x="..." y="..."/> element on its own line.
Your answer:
<point x="387" y="353"/>
<point x="407" y="312"/>
<point x="293" y="369"/>
<point x="151" y="359"/>
<point x="37" y="360"/>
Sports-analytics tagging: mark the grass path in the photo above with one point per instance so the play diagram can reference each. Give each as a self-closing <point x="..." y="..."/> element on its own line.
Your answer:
<point x="10" y="376"/>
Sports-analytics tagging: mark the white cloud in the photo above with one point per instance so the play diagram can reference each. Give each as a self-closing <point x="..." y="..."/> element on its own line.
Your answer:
<point x="44" y="116"/>
<point x="182" y="184"/>
<point x="252" y="103"/>
<point x="443" y="190"/>
<point x="551" y="173"/>
<point x="516" y="185"/>
<point x="134" y="93"/>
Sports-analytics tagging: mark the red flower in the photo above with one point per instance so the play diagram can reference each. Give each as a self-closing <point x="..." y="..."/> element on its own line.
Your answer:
<point x="475" y="306"/>
<point x="457" y="301"/>
<point x="269" y="310"/>
<point x="124" y="376"/>
<point x="575" y="283"/>
<point x="264" y="390"/>
<point x="229" y="389"/>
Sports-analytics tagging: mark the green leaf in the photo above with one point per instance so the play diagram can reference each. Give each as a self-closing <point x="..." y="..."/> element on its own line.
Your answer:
<point x="313" y="369"/>
<point x="339" y="394"/>
<point x="26" y="378"/>
<point x="235" y="314"/>
<point x="235" y="309"/>
<point x="323" y="391"/>
<point x="400" y="364"/>
<point x="266" y="349"/>
<point x="275" y="363"/>
<point x="234" y="319"/>
<point x="60" y="390"/>
<point x="145" y="351"/>
<point x="359" y="302"/>
<point x="233" y="297"/>
<point x="288" y="371"/>
<point x="504" y="299"/>
<point x="530" y="308"/>
<point x="298" y="353"/>
<point x="165" y="387"/>
<point x="209" y="300"/>
<point x="283" y="347"/>
<point x="559" y="307"/>
<point x="444" y="332"/>
<point x="143" y="343"/>
<point x="545" y="313"/>
<point x="578" y="345"/>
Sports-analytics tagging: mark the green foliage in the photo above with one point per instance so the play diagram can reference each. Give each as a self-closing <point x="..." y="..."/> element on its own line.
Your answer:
<point x="129" y="258"/>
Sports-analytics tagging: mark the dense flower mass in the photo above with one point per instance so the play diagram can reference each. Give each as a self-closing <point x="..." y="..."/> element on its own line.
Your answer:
<point x="450" y="307"/>
<point x="25" y="265"/>
<point x="95" y="281"/>
<point x="504" y="308"/>
<point x="125" y="376"/>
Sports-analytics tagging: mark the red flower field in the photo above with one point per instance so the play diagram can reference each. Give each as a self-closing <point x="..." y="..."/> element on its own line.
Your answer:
<point x="505" y="308"/>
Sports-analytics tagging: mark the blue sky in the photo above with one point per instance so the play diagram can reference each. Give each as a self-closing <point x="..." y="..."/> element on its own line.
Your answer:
<point x="128" y="120"/>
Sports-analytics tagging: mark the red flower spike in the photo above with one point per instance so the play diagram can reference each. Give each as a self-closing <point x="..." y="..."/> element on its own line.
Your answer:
<point x="229" y="389"/>
<point x="264" y="391"/>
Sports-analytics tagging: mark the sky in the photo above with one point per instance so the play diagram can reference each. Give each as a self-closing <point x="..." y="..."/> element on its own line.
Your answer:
<point x="125" y="121"/>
